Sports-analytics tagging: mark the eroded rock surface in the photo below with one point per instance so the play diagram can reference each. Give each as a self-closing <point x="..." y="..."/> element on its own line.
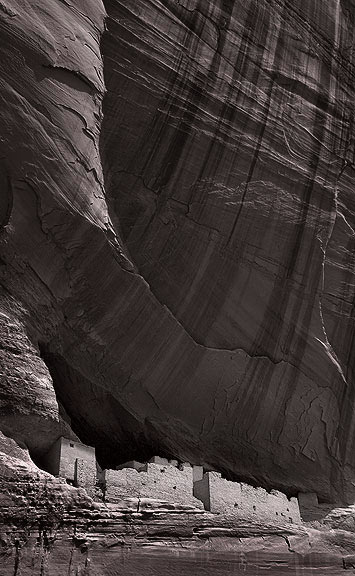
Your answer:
<point x="177" y="271"/>
<point x="50" y="528"/>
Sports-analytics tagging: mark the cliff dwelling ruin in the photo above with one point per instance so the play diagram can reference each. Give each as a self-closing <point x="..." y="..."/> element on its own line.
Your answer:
<point x="174" y="483"/>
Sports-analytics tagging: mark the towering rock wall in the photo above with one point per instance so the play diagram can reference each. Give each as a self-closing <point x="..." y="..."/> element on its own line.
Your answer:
<point x="228" y="147"/>
<point x="51" y="88"/>
<point x="178" y="271"/>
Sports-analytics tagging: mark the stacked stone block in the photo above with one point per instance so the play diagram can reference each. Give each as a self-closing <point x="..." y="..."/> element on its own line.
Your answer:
<point x="243" y="501"/>
<point x="309" y="506"/>
<point x="160" y="481"/>
<point x="85" y="475"/>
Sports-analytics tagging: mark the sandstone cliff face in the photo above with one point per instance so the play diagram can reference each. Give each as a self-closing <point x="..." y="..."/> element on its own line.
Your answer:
<point x="177" y="271"/>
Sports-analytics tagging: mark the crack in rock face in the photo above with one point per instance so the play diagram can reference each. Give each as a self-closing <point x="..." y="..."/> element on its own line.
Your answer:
<point x="176" y="234"/>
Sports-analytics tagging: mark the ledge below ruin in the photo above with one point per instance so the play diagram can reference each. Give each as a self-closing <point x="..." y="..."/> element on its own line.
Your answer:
<point x="51" y="528"/>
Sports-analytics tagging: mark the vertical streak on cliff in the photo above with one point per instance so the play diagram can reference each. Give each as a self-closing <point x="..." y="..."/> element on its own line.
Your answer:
<point x="334" y="212"/>
<point x="327" y="345"/>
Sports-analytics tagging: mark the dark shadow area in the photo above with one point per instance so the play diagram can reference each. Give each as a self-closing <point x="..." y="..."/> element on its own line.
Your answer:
<point x="316" y="514"/>
<point x="6" y="196"/>
<point x="85" y="406"/>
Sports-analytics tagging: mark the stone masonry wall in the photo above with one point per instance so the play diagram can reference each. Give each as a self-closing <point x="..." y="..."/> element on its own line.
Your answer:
<point x="85" y="475"/>
<point x="244" y="501"/>
<point x="161" y="482"/>
<point x="310" y="509"/>
<point x="70" y="452"/>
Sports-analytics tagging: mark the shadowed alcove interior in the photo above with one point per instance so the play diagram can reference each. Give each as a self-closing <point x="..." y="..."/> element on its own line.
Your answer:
<point x="74" y="394"/>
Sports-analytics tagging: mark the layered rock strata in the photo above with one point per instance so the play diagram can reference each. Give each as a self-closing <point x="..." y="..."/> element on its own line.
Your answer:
<point x="177" y="273"/>
<point x="50" y="528"/>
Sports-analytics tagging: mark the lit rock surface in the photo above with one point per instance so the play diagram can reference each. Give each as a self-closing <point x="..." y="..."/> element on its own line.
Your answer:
<point x="50" y="528"/>
<point x="181" y="263"/>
